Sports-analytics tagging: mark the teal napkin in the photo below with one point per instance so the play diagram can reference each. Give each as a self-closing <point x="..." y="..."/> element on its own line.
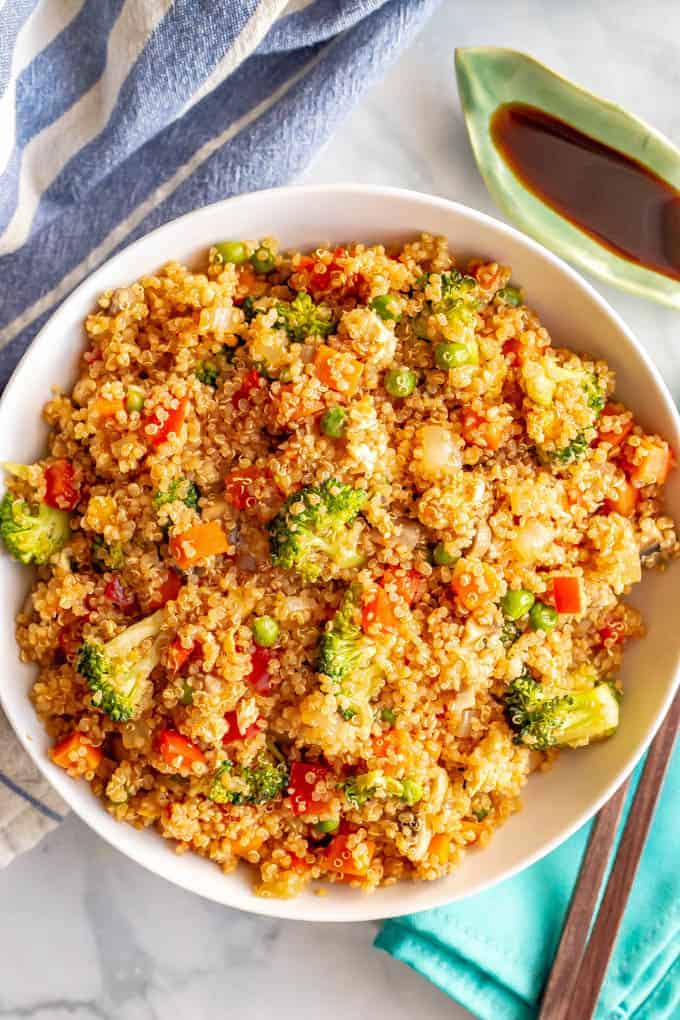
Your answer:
<point x="492" y="952"/>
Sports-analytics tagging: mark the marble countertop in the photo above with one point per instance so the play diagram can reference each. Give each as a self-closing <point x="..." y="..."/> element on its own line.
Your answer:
<point x="87" y="935"/>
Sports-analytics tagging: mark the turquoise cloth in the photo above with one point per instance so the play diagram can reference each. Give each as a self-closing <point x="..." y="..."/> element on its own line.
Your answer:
<point x="492" y="952"/>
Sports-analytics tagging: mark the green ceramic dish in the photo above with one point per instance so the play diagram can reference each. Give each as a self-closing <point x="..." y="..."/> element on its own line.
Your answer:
<point x="489" y="76"/>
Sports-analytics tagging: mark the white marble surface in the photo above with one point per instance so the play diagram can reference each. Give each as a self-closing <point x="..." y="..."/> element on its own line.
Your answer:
<point x="86" y="934"/>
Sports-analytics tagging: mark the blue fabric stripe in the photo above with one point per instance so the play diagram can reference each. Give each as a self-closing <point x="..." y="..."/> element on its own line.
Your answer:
<point x="30" y="799"/>
<point x="66" y="69"/>
<point x="318" y="23"/>
<point x="12" y="17"/>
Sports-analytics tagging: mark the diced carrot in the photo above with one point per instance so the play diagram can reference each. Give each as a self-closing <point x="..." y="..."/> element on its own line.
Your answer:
<point x="568" y="594"/>
<point x="338" y="370"/>
<point x="490" y="434"/>
<point x="178" y="751"/>
<point x="378" y="611"/>
<point x="199" y="542"/>
<point x="172" y="423"/>
<point x="238" y="484"/>
<point x="475" y="585"/>
<point x="440" y="848"/>
<point x="650" y="462"/>
<point x="409" y="584"/>
<point x="61" y="489"/>
<point x="390" y="745"/>
<point x="303" y="781"/>
<point x="70" y="752"/>
<point x="339" y="857"/>
<point x="107" y="408"/>
<point x="624" y="502"/>
<point x="298" y="864"/>
<point x="613" y="437"/>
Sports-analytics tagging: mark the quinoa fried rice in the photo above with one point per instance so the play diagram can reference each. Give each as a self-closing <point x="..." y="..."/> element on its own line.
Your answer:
<point x="373" y="528"/>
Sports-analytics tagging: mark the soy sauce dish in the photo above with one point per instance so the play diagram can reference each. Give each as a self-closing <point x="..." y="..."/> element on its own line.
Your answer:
<point x="425" y="345"/>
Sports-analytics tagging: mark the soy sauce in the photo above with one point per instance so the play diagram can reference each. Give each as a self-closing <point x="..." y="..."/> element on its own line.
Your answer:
<point x="619" y="202"/>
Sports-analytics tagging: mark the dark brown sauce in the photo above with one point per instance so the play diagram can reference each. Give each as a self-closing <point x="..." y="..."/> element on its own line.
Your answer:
<point x="616" y="200"/>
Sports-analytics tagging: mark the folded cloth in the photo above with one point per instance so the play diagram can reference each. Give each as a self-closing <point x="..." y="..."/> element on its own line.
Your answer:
<point x="117" y="116"/>
<point x="492" y="952"/>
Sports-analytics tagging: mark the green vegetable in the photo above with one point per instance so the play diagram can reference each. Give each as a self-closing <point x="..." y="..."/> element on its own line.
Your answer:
<point x="263" y="260"/>
<point x="265" y="631"/>
<point x="480" y="814"/>
<point x="327" y="825"/>
<point x="181" y="489"/>
<point x="596" y="398"/>
<point x="208" y="373"/>
<point x="542" y="617"/>
<point x="134" y="400"/>
<point x="117" y="672"/>
<point x="367" y="785"/>
<point x="509" y="633"/>
<point x="419" y="325"/>
<point x="313" y="527"/>
<point x="451" y="355"/>
<point x="568" y="719"/>
<point x="386" y="306"/>
<point x="249" y="311"/>
<point x="301" y="318"/>
<point x="107" y="557"/>
<point x="346" y="657"/>
<point x="388" y="716"/>
<point x="187" y="696"/>
<point x="510" y="296"/>
<point x="232" y="251"/>
<point x="334" y="422"/>
<point x="248" y="784"/>
<point x="574" y="451"/>
<point x="442" y="557"/>
<point x="32" y="535"/>
<point x="516" y="603"/>
<point x="400" y="382"/>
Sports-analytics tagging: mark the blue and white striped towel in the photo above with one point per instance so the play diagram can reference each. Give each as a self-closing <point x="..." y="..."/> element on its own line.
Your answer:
<point x="117" y="115"/>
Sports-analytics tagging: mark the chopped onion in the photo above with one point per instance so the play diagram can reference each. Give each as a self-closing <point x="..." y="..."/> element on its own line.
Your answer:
<point x="465" y="725"/>
<point x="409" y="534"/>
<point x="440" y="451"/>
<point x="482" y="541"/>
<point x="531" y="540"/>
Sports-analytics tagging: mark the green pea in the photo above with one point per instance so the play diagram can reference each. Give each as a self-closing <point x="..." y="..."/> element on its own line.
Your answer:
<point x="388" y="715"/>
<point x="516" y="603"/>
<point x="134" y="400"/>
<point x="386" y="306"/>
<point x="401" y="382"/>
<point x="327" y="825"/>
<point x="411" y="791"/>
<point x="232" y="251"/>
<point x="265" y="631"/>
<point x="510" y="296"/>
<point x="451" y="355"/>
<point x="542" y="617"/>
<point x="263" y="260"/>
<point x="334" y="422"/>
<point x="442" y="557"/>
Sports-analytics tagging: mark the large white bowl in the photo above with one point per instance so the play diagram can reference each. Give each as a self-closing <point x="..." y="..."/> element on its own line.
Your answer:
<point x="555" y="804"/>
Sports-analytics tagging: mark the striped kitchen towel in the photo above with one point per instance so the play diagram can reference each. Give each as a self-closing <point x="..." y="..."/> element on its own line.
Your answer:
<point x="118" y="115"/>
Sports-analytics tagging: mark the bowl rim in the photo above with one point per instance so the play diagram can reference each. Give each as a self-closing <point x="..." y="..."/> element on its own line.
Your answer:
<point x="363" y="906"/>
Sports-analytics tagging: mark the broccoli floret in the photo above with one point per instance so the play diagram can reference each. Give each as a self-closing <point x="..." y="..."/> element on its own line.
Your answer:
<point x="302" y="318"/>
<point x="596" y="398"/>
<point x="459" y="302"/>
<point x="174" y="492"/>
<point x="573" y="451"/>
<point x="32" y="535"/>
<point x="571" y="719"/>
<point x="105" y="556"/>
<point x="313" y="527"/>
<point x="117" y="672"/>
<point x="208" y="373"/>
<point x="510" y="632"/>
<point x="363" y="787"/>
<point x="346" y="656"/>
<point x="248" y="784"/>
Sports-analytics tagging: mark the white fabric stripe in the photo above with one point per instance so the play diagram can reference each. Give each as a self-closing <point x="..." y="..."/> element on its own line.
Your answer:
<point x="46" y="21"/>
<point x="252" y="34"/>
<point x="119" y="233"/>
<point x="293" y="6"/>
<point x="47" y="154"/>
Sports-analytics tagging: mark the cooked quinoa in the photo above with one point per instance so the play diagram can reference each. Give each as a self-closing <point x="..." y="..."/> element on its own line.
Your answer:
<point x="332" y="552"/>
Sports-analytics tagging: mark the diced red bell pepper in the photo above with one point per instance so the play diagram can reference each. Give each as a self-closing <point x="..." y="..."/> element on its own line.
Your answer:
<point x="512" y="350"/>
<point x="614" y="631"/>
<point x="70" y="639"/>
<point x="179" y="655"/>
<point x="168" y="591"/>
<point x="303" y="780"/>
<point x="237" y="485"/>
<point x="178" y="751"/>
<point x="568" y="594"/>
<point x="259" y="678"/>
<point x="61" y="488"/>
<point x="234" y="733"/>
<point x="119" y="596"/>
<point x="173" y="422"/>
<point x="410" y="585"/>
<point x="252" y="381"/>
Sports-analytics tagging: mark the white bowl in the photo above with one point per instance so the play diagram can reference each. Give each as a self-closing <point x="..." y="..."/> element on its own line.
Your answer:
<point x="555" y="804"/>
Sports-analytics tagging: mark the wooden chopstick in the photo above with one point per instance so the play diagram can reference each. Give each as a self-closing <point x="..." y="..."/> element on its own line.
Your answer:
<point x="582" y="907"/>
<point x="576" y="978"/>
